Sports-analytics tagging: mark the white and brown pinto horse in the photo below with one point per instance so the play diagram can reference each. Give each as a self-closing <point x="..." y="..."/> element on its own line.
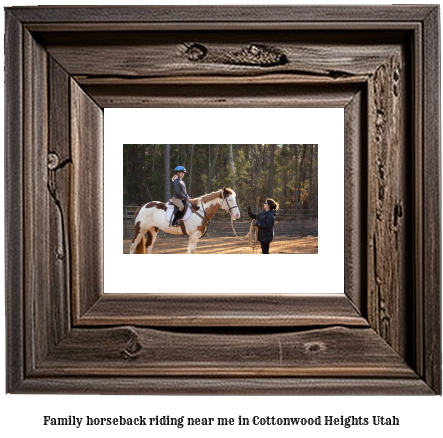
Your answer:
<point x="151" y="217"/>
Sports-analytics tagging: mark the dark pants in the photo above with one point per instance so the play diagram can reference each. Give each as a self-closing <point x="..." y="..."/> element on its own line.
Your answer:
<point x="264" y="247"/>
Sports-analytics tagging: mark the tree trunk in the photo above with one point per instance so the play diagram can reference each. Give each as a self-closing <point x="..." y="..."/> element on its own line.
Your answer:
<point x="300" y="176"/>
<point x="265" y="158"/>
<point x="209" y="158"/>
<point x="293" y="180"/>
<point x="125" y="174"/>
<point x="132" y="172"/>
<point x="143" y="174"/>
<point x="231" y="162"/>
<point x="153" y="168"/>
<point x="211" y="170"/>
<point x="253" y="181"/>
<point x="310" y="176"/>
<point x="190" y="169"/>
<point x="315" y="178"/>
<point x="271" y="171"/>
<point x="167" y="171"/>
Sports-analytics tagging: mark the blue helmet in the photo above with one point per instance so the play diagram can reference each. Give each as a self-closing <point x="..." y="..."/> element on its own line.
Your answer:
<point x="180" y="169"/>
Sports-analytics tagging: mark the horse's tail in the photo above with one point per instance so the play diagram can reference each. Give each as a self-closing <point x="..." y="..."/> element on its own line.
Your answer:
<point x="141" y="248"/>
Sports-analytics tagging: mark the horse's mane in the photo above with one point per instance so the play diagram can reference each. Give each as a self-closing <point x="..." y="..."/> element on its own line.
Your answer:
<point x="213" y="195"/>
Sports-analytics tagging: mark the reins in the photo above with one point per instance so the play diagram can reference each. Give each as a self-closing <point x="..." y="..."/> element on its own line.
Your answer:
<point x="205" y="217"/>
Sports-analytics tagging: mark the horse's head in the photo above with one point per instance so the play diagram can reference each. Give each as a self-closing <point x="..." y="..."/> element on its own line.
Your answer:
<point x="229" y="203"/>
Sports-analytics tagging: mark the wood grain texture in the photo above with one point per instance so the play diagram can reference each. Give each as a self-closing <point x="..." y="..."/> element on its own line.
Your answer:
<point x="288" y="386"/>
<point x="388" y="204"/>
<point x="205" y="310"/>
<point x="160" y="54"/>
<point x="55" y="92"/>
<point x="418" y="357"/>
<point x="38" y="307"/>
<point x="226" y="96"/>
<point x="14" y="203"/>
<point x="86" y="200"/>
<point x="355" y="193"/>
<point x="59" y="167"/>
<point x="129" y="351"/>
<point x="432" y="334"/>
<point x="226" y="14"/>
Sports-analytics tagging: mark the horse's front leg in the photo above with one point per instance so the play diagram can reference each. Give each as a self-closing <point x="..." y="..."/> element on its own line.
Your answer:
<point x="193" y="238"/>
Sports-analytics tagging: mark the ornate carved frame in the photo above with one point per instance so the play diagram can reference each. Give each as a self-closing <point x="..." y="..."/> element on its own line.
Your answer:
<point x="64" y="65"/>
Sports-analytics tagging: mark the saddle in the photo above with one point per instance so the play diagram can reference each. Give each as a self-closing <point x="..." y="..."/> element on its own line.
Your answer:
<point x="170" y="207"/>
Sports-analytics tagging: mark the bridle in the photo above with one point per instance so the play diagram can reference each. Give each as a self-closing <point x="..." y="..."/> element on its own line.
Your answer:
<point x="227" y="204"/>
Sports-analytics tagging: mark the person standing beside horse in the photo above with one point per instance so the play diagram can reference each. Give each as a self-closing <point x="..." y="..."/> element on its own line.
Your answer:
<point x="265" y="223"/>
<point x="180" y="196"/>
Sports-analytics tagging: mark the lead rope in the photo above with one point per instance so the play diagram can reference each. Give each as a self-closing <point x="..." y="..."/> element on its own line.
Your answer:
<point x="251" y="236"/>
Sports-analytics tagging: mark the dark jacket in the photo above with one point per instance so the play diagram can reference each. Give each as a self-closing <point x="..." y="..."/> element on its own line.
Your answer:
<point x="180" y="189"/>
<point x="265" y="222"/>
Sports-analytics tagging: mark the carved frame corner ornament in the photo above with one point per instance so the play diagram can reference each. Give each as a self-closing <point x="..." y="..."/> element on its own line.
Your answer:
<point x="379" y="63"/>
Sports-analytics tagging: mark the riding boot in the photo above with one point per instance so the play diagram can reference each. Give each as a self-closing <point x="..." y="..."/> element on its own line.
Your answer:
<point x="174" y="213"/>
<point x="177" y="215"/>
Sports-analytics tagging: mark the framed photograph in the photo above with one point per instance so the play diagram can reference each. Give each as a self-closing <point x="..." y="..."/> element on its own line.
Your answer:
<point x="223" y="174"/>
<point x="307" y="182"/>
<point x="377" y="332"/>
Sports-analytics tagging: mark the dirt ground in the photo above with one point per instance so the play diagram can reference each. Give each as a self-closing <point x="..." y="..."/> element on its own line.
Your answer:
<point x="232" y="245"/>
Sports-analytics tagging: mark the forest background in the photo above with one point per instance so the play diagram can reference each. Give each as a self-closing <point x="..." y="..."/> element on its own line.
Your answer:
<point x="286" y="172"/>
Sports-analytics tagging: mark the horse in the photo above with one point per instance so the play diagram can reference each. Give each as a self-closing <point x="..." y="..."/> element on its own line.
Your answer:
<point x="151" y="217"/>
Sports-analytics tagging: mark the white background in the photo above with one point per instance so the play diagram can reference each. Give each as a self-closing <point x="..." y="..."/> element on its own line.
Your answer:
<point x="22" y="414"/>
<point x="294" y="273"/>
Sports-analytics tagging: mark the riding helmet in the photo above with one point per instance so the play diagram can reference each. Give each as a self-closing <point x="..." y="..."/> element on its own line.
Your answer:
<point x="180" y="169"/>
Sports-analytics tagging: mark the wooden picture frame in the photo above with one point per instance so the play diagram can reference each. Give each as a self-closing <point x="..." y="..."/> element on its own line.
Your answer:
<point x="65" y="64"/>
